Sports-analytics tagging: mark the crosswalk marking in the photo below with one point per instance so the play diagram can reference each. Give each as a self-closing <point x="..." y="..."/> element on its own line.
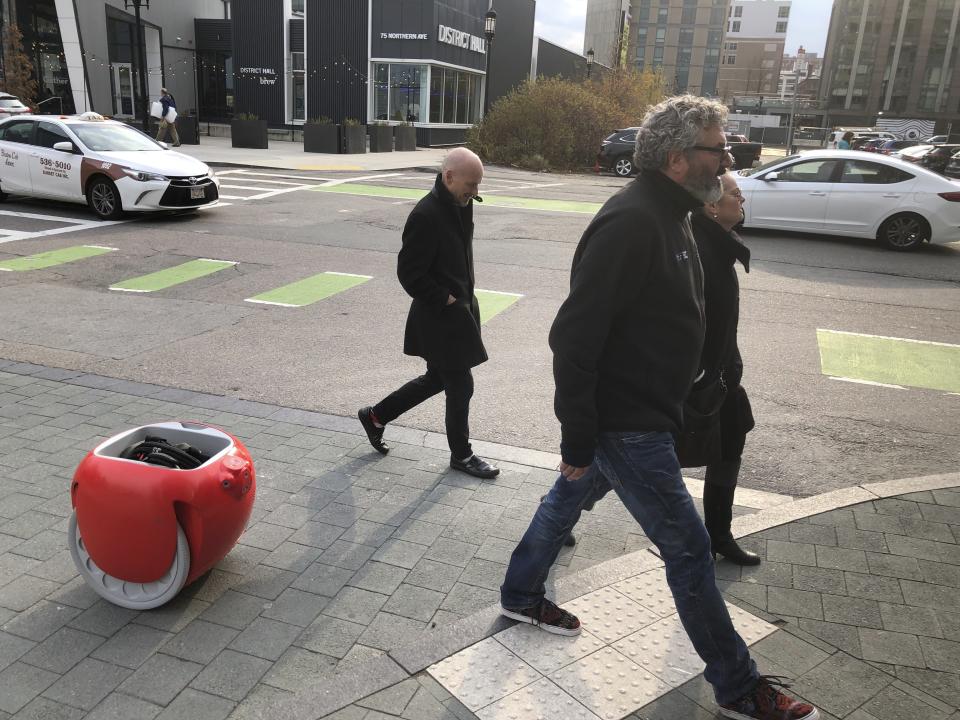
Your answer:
<point x="310" y="290"/>
<point x="504" y="201"/>
<point x="163" y="279"/>
<point x="50" y="258"/>
<point x="889" y="361"/>
<point x="494" y="302"/>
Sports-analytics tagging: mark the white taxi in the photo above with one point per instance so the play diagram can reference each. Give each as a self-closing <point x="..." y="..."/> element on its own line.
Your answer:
<point x="110" y="166"/>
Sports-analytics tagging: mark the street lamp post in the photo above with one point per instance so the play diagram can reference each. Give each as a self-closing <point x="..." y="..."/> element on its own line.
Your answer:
<point x="141" y="59"/>
<point x="489" y="31"/>
<point x="589" y="62"/>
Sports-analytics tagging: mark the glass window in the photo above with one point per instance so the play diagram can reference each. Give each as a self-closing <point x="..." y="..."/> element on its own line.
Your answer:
<point x="436" y="95"/>
<point x="297" y="6"/>
<point x="299" y="97"/>
<point x="661" y="34"/>
<point x="463" y="99"/>
<point x="689" y="16"/>
<point x="381" y="90"/>
<point x="818" y="171"/>
<point x="450" y="97"/>
<point x="662" y="15"/>
<point x="100" y="137"/>
<point x="738" y="11"/>
<point x="781" y="27"/>
<point x="736" y="26"/>
<point x="18" y="132"/>
<point x="658" y="54"/>
<point x="686" y="38"/>
<point x="49" y="135"/>
<point x="860" y="171"/>
<point x="407" y="86"/>
<point x="716" y="16"/>
<point x="783" y="12"/>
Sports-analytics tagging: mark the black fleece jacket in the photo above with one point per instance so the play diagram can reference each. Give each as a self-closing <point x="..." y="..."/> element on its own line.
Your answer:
<point x="626" y="342"/>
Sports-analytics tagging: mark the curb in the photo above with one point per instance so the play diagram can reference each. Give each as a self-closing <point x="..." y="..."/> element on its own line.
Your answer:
<point x="365" y="678"/>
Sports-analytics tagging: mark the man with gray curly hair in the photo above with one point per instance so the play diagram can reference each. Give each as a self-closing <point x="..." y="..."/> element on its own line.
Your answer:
<point x="626" y="349"/>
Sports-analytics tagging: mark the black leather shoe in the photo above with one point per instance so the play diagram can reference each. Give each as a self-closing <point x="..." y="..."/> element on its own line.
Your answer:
<point x="735" y="554"/>
<point x="374" y="434"/>
<point x="570" y="541"/>
<point x="476" y="466"/>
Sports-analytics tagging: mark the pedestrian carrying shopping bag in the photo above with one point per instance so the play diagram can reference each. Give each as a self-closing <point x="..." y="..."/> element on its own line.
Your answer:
<point x="171" y="115"/>
<point x="156" y="109"/>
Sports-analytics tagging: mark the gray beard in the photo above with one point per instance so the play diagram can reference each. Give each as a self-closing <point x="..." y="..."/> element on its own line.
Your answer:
<point x="706" y="195"/>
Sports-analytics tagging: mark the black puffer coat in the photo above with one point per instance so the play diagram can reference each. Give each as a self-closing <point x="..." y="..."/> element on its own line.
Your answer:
<point x="436" y="261"/>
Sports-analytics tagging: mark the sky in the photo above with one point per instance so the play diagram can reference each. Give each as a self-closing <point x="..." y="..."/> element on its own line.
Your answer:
<point x="561" y="22"/>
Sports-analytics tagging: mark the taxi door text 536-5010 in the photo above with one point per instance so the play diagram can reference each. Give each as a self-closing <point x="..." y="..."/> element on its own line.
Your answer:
<point x="54" y="173"/>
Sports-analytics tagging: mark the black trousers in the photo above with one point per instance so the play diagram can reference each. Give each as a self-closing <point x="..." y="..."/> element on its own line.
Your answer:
<point x="457" y="384"/>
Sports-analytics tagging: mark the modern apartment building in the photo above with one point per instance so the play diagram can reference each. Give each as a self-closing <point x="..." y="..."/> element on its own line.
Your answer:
<point x="605" y="31"/>
<point x="681" y="38"/>
<point x="896" y="57"/>
<point x="753" y="47"/>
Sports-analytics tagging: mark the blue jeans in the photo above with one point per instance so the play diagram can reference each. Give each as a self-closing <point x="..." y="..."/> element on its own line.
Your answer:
<point x="642" y="469"/>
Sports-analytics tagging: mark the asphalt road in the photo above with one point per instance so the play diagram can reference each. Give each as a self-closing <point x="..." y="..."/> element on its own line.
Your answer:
<point x="814" y="433"/>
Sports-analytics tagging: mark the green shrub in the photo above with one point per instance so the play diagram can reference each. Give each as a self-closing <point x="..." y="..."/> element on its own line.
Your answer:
<point x="557" y="124"/>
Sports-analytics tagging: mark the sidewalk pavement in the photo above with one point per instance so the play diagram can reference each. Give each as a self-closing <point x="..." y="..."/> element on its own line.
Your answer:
<point x="365" y="587"/>
<point x="282" y="155"/>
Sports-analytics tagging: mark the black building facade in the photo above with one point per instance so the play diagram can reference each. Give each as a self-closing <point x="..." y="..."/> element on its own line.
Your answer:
<point x="396" y="61"/>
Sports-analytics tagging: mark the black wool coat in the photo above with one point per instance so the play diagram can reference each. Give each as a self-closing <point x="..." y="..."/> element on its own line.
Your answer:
<point x="719" y="252"/>
<point x="436" y="261"/>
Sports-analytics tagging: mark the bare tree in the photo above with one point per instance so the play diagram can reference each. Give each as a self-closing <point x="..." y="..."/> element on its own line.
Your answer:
<point x="18" y="75"/>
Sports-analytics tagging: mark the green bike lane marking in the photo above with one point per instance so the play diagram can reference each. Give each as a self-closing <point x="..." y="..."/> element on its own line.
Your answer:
<point x="53" y="257"/>
<point x="493" y="302"/>
<point x="309" y="290"/>
<point x="890" y="360"/>
<point x="163" y="279"/>
<point x="517" y="203"/>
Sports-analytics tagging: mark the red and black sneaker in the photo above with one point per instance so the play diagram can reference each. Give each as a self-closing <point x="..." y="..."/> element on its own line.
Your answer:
<point x="546" y="616"/>
<point x="767" y="702"/>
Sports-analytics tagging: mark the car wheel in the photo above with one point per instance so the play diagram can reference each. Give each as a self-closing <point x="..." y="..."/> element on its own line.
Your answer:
<point x="104" y="198"/>
<point x="132" y="595"/>
<point x="623" y="167"/>
<point x="905" y="231"/>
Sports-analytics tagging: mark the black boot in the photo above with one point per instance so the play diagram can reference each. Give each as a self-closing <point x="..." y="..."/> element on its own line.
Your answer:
<point x="718" y="491"/>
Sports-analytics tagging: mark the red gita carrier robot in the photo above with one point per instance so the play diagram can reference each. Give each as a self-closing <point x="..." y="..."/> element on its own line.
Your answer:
<point x="156" y="507"/>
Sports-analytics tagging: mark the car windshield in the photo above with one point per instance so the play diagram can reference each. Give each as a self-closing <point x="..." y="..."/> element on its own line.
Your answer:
<point x="767" y="165"/>
<point x="917" y="150"/>
<point x="112" y="138"/>
<point x="10" y="103"/>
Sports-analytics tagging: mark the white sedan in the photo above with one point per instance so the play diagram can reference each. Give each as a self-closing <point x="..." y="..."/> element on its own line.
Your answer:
<point x="845" y="192"/>
<point x="110" y="166"/>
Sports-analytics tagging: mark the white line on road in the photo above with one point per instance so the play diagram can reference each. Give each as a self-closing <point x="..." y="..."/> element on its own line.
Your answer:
<point x="232" y="197"/>
<point x="267" y="302"/>
<point x="60" y="231"/>
<point x="886" y="337"/>
<point x="500" y="292"/>
<point x="246" y="187"/>
<point x="332" y="272"/>
<point x="46" y="218"/>
<point x="362" y="178"/>
<point x="866" y="382"/>
<point x="312" y="178"/>
<point x="271" y="193"/>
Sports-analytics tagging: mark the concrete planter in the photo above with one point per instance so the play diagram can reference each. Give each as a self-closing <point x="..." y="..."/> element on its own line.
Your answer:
<point x="249" y="134"/>
<point x="406" y="137"/>
<point x="321" y="138"/>
<point x="381" y="138"/>
<point x="354" y="139"/>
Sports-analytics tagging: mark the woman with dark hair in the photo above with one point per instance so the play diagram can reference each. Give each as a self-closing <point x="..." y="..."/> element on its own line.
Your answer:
<point x="846" y="142"/>
<point x="722" y="368"/>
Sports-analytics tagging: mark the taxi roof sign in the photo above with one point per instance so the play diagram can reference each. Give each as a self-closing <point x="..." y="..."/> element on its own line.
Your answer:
<point x="91" y="116"/>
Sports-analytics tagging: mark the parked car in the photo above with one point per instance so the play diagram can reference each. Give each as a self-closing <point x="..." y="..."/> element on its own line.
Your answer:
<point x="874" y="145"/>
<point x="860" y="138"/>
<point x="936" y="140"/>
<point x="888" y="147"/>
<point x="745" y="154"/>
<point x="844" y="192"/>
<point x="953" y="167"/>
<point x="616" y="152"/>
<point x="108" y="165"/>
<point x="914" y="154"/>
<point x="938" y="157"/>
<point x="10" y="105"/>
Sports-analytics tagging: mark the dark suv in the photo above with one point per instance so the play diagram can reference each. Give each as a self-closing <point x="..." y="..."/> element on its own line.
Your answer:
<point x="616" y="152"/>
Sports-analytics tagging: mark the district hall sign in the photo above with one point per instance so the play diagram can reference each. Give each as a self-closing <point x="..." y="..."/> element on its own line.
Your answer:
<point x="459" y="38"/>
